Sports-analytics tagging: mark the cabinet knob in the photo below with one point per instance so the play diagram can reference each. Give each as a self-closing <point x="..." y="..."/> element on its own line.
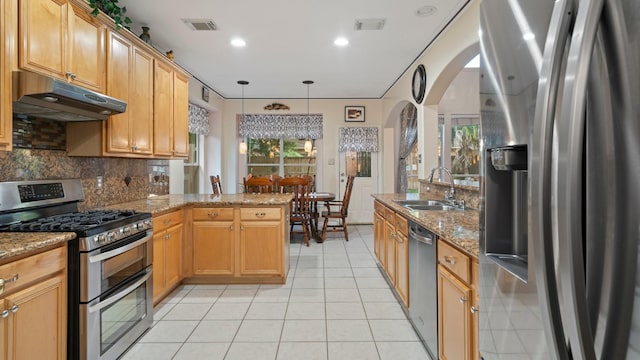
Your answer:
<point x="474" y="309"/>
<point x="4" y="314"/>
<point x="462" y="300"/>
<point x="449" y="260"/>
<point x="231" y="227"/>
<point x="166" y="221"/>
<point x="213" y="214"/>
<point x="14" y="309"/>
<point x="241" y="227"/>
<point x="71" y="75"/>
<point x="260" y="214"/>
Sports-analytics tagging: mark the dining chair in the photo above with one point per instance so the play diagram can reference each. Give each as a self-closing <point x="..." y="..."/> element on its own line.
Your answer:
<point x="299" y="205"/>
<point x="216" y="184"/>
<point x="338" y="210"/>
<point x="258" y="185"/>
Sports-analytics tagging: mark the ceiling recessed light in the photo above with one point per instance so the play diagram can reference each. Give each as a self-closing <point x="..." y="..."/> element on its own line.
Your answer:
<point x="426" y="10"/>
<point x="237" y="42"/>
<point x="341" y="41"/>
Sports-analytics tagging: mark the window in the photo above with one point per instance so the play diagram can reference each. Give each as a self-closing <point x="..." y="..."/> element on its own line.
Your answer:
<point x="358" y="163"/>
<point x="459" y="136"/>
<point x="282" y="157"/>
<point x="192" y="167"/>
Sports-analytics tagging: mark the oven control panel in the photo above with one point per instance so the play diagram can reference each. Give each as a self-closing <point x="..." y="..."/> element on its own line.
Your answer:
<point x="37" y="192"/>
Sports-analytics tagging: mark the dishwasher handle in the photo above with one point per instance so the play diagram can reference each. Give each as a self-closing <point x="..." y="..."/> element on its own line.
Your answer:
<point x="428" y="239"/>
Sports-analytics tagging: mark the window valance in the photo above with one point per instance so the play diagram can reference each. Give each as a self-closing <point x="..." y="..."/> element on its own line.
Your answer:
<point x="198" y="120"/>
<point x="358" y="139"/>
<point x="293" y="126"/>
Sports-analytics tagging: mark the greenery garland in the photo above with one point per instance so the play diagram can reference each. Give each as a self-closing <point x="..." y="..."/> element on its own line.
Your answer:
<point x="111" y="9"/>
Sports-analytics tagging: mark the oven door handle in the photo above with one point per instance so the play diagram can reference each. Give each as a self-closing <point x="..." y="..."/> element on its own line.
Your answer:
<point x="120" y="250"/>
<point x="102" y="304"/>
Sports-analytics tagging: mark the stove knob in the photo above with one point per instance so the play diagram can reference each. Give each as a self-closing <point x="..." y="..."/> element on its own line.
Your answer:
<point x="111" y="236"/>
<point x="126" y="230"/>
<point x="101" y="239"/>
<point x="147" y="224"/>
<point x="134" y="227"/>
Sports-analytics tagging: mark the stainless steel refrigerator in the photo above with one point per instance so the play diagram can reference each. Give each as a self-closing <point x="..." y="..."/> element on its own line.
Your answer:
<point x="560" y="186"/>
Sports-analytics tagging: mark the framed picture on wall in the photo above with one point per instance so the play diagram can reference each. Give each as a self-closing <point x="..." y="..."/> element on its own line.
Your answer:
<point x="354" y="113"/>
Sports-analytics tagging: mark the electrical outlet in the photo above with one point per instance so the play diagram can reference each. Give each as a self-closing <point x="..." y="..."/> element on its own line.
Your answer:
<point x="99" y="183"/>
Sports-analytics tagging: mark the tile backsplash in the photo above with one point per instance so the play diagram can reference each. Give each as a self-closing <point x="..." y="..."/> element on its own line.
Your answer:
<point x="39" y="153"/>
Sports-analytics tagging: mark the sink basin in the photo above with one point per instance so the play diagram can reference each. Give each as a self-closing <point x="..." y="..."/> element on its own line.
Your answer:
<point x="407" y="203"/>
<point x="440" y="207"/>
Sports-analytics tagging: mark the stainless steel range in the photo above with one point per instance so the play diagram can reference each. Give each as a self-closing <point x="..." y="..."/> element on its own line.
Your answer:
<point x="109" y="268"/>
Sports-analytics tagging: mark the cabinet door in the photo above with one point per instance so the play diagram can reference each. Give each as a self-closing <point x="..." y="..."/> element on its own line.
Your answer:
<point x="454" y="317"/>
<point x="3" y="331"/>
<point x="86" y="55"/>
<point x="402" y="267"/>
<point x="141" y="104"/>
<point x="390" y="253"/>
<point x="119" y="68"/>
<point x="43" y="36"/>
<point x="163" y="109"/>
<point x="213" y="248"/>
<point x="261" y="248"/>
<point x="5" y="85"/>
<point x="378" y="235"/>
<point x="37" y="328"/>
<point x="180" y="115"/>
<point x="159" y="274"/>
<point x="173" y="256"/>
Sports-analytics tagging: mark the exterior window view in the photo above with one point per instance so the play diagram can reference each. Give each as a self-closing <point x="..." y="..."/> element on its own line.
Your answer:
<point x="437" y="180"/>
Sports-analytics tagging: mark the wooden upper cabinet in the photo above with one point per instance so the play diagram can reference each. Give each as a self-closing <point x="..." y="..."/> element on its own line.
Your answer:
<point x="141" y="103"/>
<point x="163" y="109"/>
<point x="5" y="84"/>
<point x="181" y="115"/>
<point x="171" y="111"/>
<point x="119" y="68"/>
<point x="87" y="60"/>
<point x="60" y="40"/>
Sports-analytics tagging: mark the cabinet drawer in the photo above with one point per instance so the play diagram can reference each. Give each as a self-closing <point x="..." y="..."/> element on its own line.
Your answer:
<point x="33" y="268"/>
<point x="402" y="224"/>
<point x="260" y="214"/>
<point x="390" y="215"/>
<point x="166" y="221"/>
<point x="457" y="262"/>
<point x="213" y="214"/>
<point x="379" y="208"/>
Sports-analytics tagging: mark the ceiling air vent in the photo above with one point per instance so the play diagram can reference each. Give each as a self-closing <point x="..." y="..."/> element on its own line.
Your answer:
<point x="369" y="24"/>
<point x="200" y="24"/>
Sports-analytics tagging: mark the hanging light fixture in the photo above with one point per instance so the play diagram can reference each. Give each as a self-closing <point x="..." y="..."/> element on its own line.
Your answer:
<point x="243" y="145"/>
<point x="308" y="145"/>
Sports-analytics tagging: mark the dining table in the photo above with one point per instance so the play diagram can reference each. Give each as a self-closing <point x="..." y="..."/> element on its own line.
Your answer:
<point x="316" y="198"/>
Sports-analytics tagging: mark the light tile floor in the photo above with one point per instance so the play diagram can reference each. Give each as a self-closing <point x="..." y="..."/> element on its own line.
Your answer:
<point x="335" y="305"/>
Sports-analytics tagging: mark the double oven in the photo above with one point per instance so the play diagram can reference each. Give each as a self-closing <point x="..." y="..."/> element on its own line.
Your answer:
<point x="110" y="302"/>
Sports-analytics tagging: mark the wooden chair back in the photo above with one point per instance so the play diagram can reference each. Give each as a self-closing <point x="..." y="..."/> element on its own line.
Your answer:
<point x="258" y="185"/>
<point x="216" y="184"/>
<point x="347" y="195"/>
<point x="299" y="207"/>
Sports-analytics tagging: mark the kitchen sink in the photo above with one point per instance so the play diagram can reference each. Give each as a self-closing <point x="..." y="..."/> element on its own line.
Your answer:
<point x="441" y="207"/>
<point x="407" y="203"/>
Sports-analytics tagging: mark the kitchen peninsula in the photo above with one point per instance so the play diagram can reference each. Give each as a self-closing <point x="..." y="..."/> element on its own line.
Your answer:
<point x="223" y="239"/>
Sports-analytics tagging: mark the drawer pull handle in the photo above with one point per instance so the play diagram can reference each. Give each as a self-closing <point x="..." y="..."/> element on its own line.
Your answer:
<point x="213" y="214"/>
<point x="14" y="278"/>
<point x="462" y="300"/>
<point x="14" y="309"/>
<point x="449" y="260"/>
<point x="166" y="221"/>
<point x="474" y="309"/>
<point x="4" y="314"/>
<point x="261" y="214"/>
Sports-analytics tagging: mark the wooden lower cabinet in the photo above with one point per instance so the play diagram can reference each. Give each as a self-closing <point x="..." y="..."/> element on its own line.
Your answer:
<point x="390" y="250"/>
<point x="213" y="248"/>
<point x="239" y="244"/>
<point x="402" y="267"/>
<point x="33" y="320"/>
<point x="167" y="254"/>
<point x="454" y="317"/>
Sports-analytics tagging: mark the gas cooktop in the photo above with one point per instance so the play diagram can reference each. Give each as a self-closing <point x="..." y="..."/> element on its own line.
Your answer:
<point x="74" y="221"/>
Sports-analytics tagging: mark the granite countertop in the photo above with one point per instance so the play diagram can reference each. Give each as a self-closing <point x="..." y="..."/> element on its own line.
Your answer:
<point x="166" y="203"/>
<point x="14" y="244"/>
<point x="460" y="228"/>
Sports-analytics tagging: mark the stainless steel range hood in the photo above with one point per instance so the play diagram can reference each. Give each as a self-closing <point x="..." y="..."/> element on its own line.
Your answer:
<point x="49" y="98"/>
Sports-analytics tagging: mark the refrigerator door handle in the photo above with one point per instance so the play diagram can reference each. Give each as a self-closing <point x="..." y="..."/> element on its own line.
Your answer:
<point x="569" y="204"/>
<point x="540" y="175"/>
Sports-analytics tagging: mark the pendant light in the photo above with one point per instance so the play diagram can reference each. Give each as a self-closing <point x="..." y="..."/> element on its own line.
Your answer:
<point x="243" y="145"/>
<point x="308" y="145"/>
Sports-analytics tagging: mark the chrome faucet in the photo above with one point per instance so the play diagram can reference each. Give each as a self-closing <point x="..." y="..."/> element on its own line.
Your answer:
<point x="450" y="195"/>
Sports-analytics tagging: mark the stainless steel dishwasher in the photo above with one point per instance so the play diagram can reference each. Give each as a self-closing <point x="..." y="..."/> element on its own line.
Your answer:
<point x="423" y="286"/>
